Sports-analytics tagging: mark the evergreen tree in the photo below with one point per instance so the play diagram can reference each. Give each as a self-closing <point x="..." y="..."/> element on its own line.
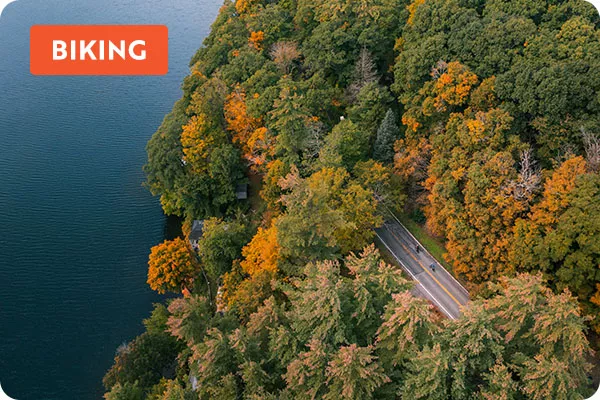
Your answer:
<point x="354" y="374"/>
<point x="305" y="375"/>
<point x="387" y="134"/>
<point x="428" y="375"/>
<point x="407" y="326"/>
<point x="211" y="361"/>
<point x="189" y="318"/>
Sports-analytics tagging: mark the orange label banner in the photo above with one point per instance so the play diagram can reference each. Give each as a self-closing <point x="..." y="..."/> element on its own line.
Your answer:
<point x="99" y="50"/>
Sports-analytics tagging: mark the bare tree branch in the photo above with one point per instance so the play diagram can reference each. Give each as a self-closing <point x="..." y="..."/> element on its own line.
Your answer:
<point x="529" y="179"/>
<point x="591" y="145"/>
<point x="314" y="141"/>
<point x="284" y="54"/>
<point x="440" y="69"/>
<point x="365" y="72"/>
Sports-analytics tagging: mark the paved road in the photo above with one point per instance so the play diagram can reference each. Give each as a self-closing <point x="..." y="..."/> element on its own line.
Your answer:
<point x="437" y="285"/>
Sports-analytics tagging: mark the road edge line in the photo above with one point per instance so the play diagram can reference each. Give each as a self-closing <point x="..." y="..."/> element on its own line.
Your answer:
<point x="415" y="278"/>
<point x="424" y="248"/>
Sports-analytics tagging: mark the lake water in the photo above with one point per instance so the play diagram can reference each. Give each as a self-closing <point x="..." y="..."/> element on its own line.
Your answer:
<point x="76" y="225"/>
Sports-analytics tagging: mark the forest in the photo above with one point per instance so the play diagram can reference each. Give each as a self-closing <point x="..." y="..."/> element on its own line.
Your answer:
<point x="477" y="120"/>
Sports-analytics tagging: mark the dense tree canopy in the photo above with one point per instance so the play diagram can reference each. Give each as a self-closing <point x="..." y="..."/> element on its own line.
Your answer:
<point x="362" y="334"/>
<point x="492" y="151"/>
<point x="479" y="120"/>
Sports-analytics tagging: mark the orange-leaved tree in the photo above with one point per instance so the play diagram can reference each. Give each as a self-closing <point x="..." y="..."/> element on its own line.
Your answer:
<point x="245" y="6"/>
<point x="561" y="237"/>
<point x="248" y="131"/>
<point x="248" y="284"/>
<point x="255" y="40"/>
<point x="529" y="249"/>
<point x="449" y="91"/>
<point x="172" y="266"/>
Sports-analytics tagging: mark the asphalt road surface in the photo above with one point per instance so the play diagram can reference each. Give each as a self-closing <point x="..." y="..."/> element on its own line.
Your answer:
<point x="435" y="284"/>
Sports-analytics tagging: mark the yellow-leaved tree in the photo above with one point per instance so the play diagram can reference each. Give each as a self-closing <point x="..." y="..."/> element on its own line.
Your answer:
<point x="196" y="143"/>
<point x="262" y="253"/>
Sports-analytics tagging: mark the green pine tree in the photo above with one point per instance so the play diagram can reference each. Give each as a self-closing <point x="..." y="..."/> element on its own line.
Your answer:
<point x="387" y="134"/>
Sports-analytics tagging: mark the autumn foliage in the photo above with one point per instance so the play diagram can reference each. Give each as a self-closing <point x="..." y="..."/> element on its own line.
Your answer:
<point x="261" y="253"/>
<point x="256" y="39"/>
<point x="196" y="144"/>
<point x="478" y="120"/>
<point x="248" y="131"/>
<point x="171" y="266"/>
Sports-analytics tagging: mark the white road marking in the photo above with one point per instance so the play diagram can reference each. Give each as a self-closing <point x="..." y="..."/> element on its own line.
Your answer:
<point x="424" y="248"/>
<point x="415" y="278"/>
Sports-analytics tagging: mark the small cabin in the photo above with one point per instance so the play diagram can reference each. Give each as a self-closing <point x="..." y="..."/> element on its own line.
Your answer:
<point x="196" y="233"/>
<point x="241" y="191"/>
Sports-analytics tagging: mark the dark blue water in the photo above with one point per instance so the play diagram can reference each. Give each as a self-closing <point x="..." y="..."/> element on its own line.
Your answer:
<point x="75" y="223"/>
